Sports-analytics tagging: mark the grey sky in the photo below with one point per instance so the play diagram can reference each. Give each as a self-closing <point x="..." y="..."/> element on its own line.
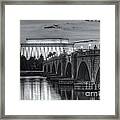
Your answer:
<point x="74" y="30"/>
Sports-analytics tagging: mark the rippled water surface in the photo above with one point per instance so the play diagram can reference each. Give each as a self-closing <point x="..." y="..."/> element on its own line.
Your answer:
<point x="37" y="88"/>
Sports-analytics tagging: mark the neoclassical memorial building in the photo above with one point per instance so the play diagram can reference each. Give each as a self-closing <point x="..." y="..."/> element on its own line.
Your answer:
<point x="34" y="47"/>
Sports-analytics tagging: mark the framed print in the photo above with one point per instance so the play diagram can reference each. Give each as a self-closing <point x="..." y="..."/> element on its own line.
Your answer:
<point x="59" y="59"/>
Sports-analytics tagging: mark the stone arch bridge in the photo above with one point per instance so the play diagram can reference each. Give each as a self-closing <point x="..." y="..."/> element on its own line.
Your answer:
<point x="75" y="76"/>
<point x="81" y="65"/>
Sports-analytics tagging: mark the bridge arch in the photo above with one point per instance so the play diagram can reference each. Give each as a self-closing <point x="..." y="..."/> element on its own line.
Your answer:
<point x="98" y="75"/>
<point x="48" y="68"/>
<point x="68" y="71"/>
<point x="83" y="72"/>
<point x="59" y="69"/>
<point x="44" y="68"/>
<point x="53" y="69"/>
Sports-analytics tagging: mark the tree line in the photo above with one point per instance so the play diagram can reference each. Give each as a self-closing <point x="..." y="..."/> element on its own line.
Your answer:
<point x="31" y="64"/>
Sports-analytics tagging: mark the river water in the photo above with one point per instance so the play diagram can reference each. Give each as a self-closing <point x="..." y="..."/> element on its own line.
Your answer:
<point x="37" y="88"/>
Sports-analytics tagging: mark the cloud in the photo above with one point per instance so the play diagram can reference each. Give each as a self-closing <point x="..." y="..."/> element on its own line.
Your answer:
<point x="74" y="30"/>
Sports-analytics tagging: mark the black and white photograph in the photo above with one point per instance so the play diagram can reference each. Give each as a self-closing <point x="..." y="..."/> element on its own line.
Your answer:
<point x="60" y="59"/>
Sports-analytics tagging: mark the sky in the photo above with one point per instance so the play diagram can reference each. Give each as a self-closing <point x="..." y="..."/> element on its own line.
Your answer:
<point x="74" y="30"/>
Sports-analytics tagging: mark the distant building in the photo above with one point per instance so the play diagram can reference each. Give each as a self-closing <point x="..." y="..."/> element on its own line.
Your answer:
<point x="34" y="47"/>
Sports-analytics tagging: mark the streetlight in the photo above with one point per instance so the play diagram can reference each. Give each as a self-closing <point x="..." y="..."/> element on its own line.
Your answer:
<point x="81" y="47"/>
<point x="89" y="46"/>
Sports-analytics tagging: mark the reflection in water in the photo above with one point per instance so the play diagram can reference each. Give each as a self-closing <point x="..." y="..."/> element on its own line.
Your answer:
<point x="42" y="88"/>
<point x="37" y="88"/>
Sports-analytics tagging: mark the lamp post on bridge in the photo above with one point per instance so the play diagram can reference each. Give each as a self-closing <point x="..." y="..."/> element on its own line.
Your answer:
<point x="89" y="46"/>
